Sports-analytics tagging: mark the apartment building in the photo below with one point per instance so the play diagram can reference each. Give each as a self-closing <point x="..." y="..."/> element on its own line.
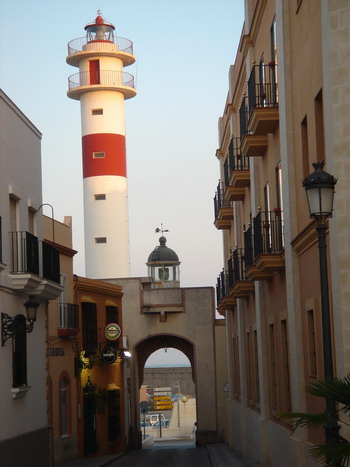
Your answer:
<point x="29" y="279"/>
<point x="285" y="109"/>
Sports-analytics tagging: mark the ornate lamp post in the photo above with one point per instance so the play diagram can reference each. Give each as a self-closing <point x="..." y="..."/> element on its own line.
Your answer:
<point x="319" y="188"/>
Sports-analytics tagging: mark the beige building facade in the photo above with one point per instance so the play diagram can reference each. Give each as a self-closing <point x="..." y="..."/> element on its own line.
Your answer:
<point x="285" y="109"/>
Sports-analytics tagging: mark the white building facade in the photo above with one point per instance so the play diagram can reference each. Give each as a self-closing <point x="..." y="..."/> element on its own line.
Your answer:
<point x="29" y="274"/>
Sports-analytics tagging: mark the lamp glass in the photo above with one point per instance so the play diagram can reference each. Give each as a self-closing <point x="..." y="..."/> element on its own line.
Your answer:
<point x="320" y="200"/>
<point x="31" y="307"/>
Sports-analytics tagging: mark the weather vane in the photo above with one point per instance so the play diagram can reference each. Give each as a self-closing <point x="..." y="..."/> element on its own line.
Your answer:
<point x="161" y="229"/>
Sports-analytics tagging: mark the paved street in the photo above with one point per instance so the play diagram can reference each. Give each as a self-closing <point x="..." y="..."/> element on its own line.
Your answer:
<point x="161" y="456"/>
<point x="169" y="453"/>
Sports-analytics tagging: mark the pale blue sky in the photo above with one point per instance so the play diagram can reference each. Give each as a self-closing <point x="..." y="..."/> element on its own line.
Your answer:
<point x="184" y="49"/>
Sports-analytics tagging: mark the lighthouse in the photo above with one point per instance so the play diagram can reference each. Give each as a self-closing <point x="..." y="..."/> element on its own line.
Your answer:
<point x="101" y="85"/>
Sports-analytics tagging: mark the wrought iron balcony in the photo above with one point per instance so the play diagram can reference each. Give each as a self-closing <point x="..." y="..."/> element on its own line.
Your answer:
<point x="223" y="299"/>
<point x="24" y="253"/>
<point x="236" y="172"/>
<point x="51" y="262"/>
<point x="239" y="285"/>
<point x="68" y="319"/>
<point x="223" y="209"/>
<point x="34" y="272"/>
<point x="252" y="145"/>
<point x="264" y="245"/>
<point x="263" y="99"/>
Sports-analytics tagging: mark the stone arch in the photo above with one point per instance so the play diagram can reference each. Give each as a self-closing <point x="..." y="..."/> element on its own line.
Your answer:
<point x="145" y="347"/>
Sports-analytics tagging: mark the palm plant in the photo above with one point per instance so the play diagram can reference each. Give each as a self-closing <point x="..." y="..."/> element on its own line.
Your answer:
<point x="335" y="452"/>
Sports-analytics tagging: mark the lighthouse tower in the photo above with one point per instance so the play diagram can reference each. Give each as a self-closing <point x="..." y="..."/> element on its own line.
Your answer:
<point x="102" y="86"/>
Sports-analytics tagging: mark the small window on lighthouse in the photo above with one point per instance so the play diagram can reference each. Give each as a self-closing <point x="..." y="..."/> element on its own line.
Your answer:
<point x="100" y="239"/>
<point x="100" y="197"/>
<point x="99" y="155"/>
<point x="97" y="111"/>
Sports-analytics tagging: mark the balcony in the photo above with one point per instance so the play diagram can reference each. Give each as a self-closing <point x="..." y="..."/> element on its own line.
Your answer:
<point x="239" y="285"/>
<point x="34" y="270"/>
<point x="223" y="209"/>
<point x="68" y="319"/>
<point x="116" y="47"/>
<point x="223" y="299"/>
<point x="263" y="99"/>
<point x="252" y="145"/>
<point x="106" y="80"/>
<point x="264" y="246"/>
<point x="236" y="172"/>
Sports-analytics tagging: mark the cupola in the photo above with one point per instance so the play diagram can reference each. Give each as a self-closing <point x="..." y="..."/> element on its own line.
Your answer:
<point x="164" y="266"/>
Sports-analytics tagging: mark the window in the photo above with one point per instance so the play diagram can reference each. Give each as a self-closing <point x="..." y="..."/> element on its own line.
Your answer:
<point x="64" y="405"/>
<point x="99" y="155"/>
<point x="113" y="404"/>
<point x="111" y="314"/>
<point x="311" y="344"/>
<point x="273" y="366"/>
<point x="319" y="127"/>
<point x="279" y="192"/>
<point x="89" y="325"/>
<point x="285" y="367"/>
<point x="97" y="111"/>
<point x="256" y="368"/>
<point x="305" y="147"/>
<point x="236" y="367"/>
<point x="100" y="239"/>
<point x="267" y="197"/>
<point x="19" y="356"/>
<point x="13" y="214"/>
<point x="31" y="223"/>
<point x="273" y="41"/>
<point x="249" y="367"/>
<point x="100" y="197"/>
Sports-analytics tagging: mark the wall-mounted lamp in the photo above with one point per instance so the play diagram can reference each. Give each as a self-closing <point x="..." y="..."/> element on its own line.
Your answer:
<point x="125" y="353"/>
<point x="85" y="361"/>
<point x="8" y="324"/>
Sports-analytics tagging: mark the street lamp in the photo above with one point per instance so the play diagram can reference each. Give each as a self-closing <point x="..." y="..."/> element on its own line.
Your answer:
<point x="319" y="188"/>
<point x="8" y="323"/>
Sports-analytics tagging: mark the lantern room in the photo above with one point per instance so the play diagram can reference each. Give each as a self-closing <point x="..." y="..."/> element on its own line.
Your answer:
<point x="100" y="30"/>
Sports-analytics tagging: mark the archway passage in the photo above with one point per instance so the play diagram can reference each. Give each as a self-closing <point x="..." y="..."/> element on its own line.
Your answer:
<point x="149" y="345"/>
<point x="168" y="407"/>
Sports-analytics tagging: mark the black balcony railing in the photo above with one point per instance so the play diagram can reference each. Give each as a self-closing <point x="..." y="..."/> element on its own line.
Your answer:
<point x="222" y="286"/>
<point x="244" y="117"/>
<point x="262" y="86"/>
<point x="237" y="161"/>
<point x="219" y="201"/>
<point x="268" y="232"/>
<point x="68" y="316"/>
<point x="226" y="172"/>
<point x="248" y="247"/>
<point x="239" y="264"/>
<point x="51" y="262"/>
<point x="24" y="253"/>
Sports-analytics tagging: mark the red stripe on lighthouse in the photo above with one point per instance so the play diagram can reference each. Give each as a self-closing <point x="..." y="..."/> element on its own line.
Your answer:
<point x="113" y="162"/>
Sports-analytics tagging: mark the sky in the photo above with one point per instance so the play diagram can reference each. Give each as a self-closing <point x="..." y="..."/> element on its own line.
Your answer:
<point x="183" y="50"/>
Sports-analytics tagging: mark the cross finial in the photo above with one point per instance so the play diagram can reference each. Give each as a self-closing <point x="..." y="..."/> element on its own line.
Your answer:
<point x="161" y="229"/>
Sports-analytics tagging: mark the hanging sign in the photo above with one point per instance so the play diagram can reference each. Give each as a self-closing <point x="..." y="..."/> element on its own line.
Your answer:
<point x="112" y="331"/>
<point x="109" y="355"/>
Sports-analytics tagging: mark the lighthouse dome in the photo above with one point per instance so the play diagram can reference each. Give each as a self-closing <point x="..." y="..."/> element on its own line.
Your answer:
<point x="163" y="253"/>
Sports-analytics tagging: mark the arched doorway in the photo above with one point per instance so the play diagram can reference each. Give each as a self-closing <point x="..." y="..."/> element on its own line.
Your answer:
<point x="168" y="408"/>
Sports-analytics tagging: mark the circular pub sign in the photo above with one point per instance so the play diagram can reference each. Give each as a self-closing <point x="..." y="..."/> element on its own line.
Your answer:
<point x="109" y="355"/>
<point x="112" y="331"/>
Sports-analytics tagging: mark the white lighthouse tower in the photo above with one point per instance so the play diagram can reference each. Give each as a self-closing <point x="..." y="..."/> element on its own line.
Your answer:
<point x="101" y="86"/>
